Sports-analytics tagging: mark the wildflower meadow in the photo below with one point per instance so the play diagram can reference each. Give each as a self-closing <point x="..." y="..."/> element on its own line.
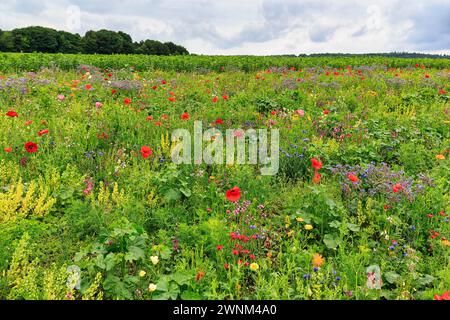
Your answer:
<point x="233" y="178"/>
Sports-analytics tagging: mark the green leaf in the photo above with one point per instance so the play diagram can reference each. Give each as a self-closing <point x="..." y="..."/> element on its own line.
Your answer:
<point x="172" y="195"/>
<point x="134" y="253"/>
<point x="189" y="295"/>
<point x="392" y="277"/>
<point x="425" y="280"/>
<point x="335" y="224"/>
<point x="109" y="261"/>
<point x="353" y="227"/>
<point x="181" y="278"/>
<point x="331" y="241"/>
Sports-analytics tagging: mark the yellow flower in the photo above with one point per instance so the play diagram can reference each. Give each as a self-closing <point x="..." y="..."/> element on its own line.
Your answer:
<point x="295" y="117"/>
<point x="440" y="157"/>
<point x="308" y="227"/>
<point x="290" y="233"/>
<point x="254" y="266"/>
<point x="317" y="260"/>
<point x="152" y="287"/>
<point x="269" y="254"/>
<point x="445" y="242"/>
<point x="154" y="259"/>
<point x="142" y="273"/>
<point x="299" y="219"/>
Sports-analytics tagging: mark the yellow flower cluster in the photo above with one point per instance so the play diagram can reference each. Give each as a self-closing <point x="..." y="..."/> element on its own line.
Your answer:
<point x="16" y="202"/>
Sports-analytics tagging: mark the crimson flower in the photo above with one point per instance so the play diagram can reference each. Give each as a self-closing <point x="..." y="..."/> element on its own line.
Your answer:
<point x="185" y="116"/>
<point x="218" y="121"/>
<point x="42" y="132"/>
<point x="88" y="87"/>
<point x="233" y="194"/>
<point x="127" y="101"/>
<point x="226" y="266"/>
<point x="444" y="296"/>
<point x="352" y="177"/>
<point x="215" y="99"/>
<point x="172" y="99"/>
<point x="225" y="97"/>
<point x="113" y="91"/>
<point x="397" y="187"/>
<point x="12" y="114"/>
<point x="146" y="152"/>
<point x="326" y="111"/>
<point x="316" y="164"/>
<point x="31" y="147"/>
<point x="219" y="247"/>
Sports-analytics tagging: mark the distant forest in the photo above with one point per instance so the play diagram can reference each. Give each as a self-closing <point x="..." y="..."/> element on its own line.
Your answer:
<point x="47" y="40"/>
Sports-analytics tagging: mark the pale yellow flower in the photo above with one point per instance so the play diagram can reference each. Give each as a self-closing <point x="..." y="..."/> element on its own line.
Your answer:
<point x="152" y="287"/>
<point x="308" y="227"/>
<point x="299" y="219"/>
<point x="154" y="259"/>
<point x="142" y="273"/>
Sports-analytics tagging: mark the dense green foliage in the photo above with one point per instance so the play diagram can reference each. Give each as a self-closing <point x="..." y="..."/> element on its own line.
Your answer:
<point x="47" y="40"/>
<point x="87" y="212"/>
<point x="202" y="64"/>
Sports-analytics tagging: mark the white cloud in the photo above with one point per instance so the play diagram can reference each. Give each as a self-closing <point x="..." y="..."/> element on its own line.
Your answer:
<point x="252" y="27"/>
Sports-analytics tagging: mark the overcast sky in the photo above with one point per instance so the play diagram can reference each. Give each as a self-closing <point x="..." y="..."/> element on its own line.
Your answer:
<point x="251" y="26"/>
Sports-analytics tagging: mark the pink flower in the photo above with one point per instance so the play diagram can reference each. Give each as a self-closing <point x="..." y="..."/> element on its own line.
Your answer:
<point x="300" y="112"/>
<point x="98" y="105"/>
<point x="61" y="97"/>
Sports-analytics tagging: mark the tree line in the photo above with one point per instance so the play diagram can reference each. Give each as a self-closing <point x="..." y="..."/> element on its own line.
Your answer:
<point x="47" y="40"/>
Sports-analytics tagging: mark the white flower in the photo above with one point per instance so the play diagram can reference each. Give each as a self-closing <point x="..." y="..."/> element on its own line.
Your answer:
<point x="154" y="259"/>
<point x="151" y="287"/>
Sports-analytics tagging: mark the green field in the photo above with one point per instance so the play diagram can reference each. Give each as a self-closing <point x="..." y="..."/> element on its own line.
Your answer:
<point x="93" y="207"/>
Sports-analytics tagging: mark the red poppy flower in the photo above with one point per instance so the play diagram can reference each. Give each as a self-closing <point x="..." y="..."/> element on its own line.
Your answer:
<point x="42" y="132"/>
<point x="185" y="116"/>
<point x="163" y="81"/>
<point x="215" y="99"/>
<point x="316" y="177"/>
<point x="155" y="87"/>
<point x="273" y="112"/>
<point x="219" y="247"/>
<point x="12" y="114"/>
<point x="326" y="111"/>
<point x="352" y="177"/>
<point x="427" y="76"/>
<point x="88" y="87"/>
<point x="27" y="123"/>
<point x="146" y="152"/>
<point x="158" y="123"/>
<point x="444" y="296"/>
<point x="226" y="266"/>
<point x="234" y="194"/>
<point x="113" y="91"/>
<point x="235" y="252"/>
<point x="31" y="147"/>
<point x="172" y="99"/>
<point x="442" y="91"/>
<point x="218" y="121"/>
<point x="397" y="187"/>
<point x="127" y="101"/>
<point x="316" y="164"/>
<point x="225" y="97"/>
<point x="149" y="118"/>
<point x="7" y="150"/>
